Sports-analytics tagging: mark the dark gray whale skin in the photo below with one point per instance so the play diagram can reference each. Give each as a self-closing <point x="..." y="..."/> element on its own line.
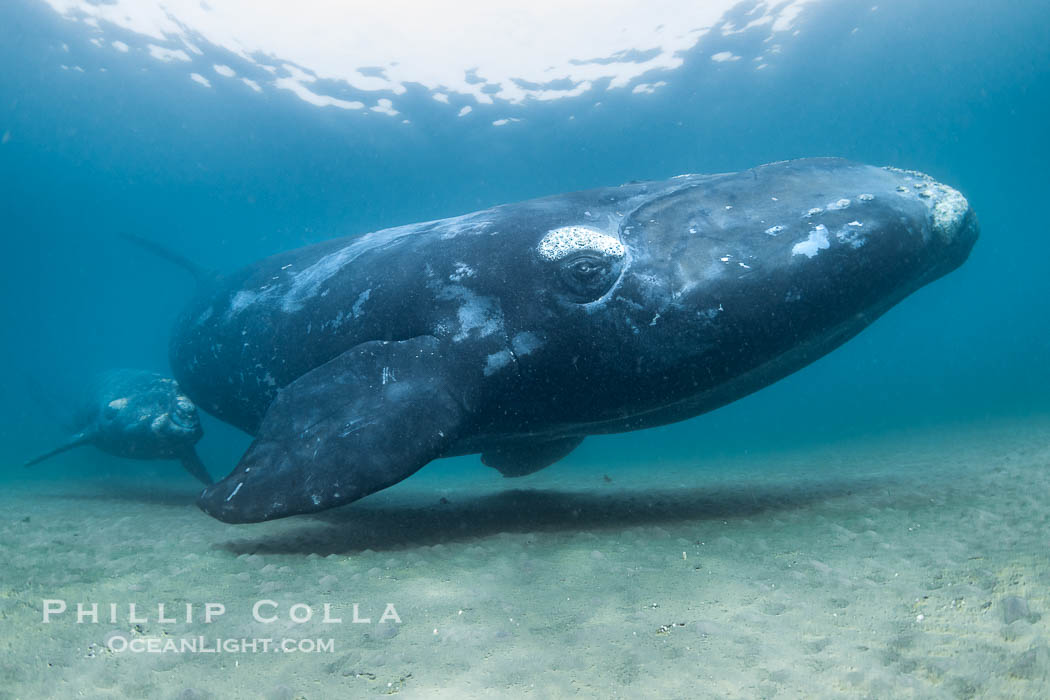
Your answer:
<point x="139" y="415"/>
<point x="516" y="331"/>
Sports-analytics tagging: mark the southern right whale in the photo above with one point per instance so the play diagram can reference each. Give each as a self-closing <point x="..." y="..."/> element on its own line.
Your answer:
<point x="139" y="415"/>
<point x="516" y="331"/>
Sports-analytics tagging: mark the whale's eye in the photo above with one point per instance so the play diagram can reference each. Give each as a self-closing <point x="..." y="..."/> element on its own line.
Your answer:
<point x="586" y="269"/>
<point x="586" y="276"/>
<point x="588" y="261"/>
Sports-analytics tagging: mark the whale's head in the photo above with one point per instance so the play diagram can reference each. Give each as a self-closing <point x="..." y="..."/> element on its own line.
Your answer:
<point x="719" y="285"/>
<point x="180" y="421"/>
<point x="154" y="419"/>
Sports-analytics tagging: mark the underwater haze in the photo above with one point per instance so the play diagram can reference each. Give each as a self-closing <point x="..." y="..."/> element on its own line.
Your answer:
<point x="873" y="525"/>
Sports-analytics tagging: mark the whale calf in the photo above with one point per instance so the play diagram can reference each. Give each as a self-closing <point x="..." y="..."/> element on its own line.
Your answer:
<point x="140" y="415"/>
<point x="517" y="331"/>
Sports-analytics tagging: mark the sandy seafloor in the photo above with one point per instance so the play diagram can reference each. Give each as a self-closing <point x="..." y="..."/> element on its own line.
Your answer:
<point x="881" y="567"/>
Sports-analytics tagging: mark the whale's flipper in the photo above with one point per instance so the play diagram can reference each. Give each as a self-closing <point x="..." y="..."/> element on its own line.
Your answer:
<point x="191" y="462"/>
<point x="75" y="441"/>
<point x="364" y="421"/>
<point x="523" y="458"/>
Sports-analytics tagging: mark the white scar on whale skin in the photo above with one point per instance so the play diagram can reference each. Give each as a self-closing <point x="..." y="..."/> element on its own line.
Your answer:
<point x="497" y="361"/>
<point x="946" y="204"/>
<point x="817" y="241"/>
<point x="525" y="342"/>
<point x="559" y="242"/>
<point x="479" y="316"/>
<point x="294" y="289"/>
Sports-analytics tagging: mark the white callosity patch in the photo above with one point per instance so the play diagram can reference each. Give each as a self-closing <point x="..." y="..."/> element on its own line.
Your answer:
<point x="775" y="230"/>
<point x="560" y="242"/>
<point x="407" y="43"/>
<point x="814" y="243"/>
<point x="947" y="206"/>
<point x="837" y="205"/>
<point x="160" y="422"/>
<point x="118" y="404"/>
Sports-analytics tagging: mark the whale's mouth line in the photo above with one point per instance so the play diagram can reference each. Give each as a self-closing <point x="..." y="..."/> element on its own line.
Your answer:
<point x="757" y="377"/>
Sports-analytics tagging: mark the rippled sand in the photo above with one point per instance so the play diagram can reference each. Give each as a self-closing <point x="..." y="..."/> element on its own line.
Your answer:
<point x="887" y="567"/>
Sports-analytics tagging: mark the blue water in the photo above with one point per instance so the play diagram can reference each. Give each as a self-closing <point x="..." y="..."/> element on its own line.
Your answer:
<point x="958" y="89"/>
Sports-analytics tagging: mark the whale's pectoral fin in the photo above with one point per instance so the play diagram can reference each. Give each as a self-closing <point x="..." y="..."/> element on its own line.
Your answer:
<point x="525" y="457"/>
<point x="191" y="462"/>
<point x="364" y="421"/>
<point x="75" y="441"/>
